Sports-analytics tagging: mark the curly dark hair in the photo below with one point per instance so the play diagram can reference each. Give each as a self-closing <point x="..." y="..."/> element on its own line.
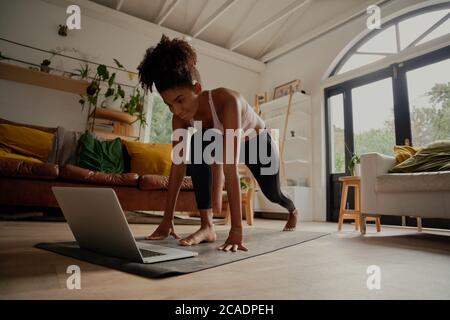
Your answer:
<point x="171" y="64"/>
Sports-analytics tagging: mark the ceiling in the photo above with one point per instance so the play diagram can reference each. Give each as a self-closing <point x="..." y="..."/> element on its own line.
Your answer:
<point x="259" y="29"/>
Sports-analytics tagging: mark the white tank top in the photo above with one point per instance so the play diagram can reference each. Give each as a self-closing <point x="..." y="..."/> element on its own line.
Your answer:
<point x="247" y="117"/>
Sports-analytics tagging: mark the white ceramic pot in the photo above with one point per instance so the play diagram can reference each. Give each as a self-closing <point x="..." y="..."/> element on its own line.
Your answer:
<point x="112" y="104"/>
<point x="357" y="170"/>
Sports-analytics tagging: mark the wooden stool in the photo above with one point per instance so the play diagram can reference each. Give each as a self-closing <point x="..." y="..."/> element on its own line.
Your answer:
<point x="355" y="214"/>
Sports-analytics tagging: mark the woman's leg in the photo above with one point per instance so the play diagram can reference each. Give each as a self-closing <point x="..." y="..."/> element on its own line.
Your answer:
<point x="268" y="175"/>
<point x="202" y="179"/>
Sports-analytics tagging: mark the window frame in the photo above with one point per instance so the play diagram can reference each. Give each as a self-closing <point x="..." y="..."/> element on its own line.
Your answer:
<point x="394" y="22"/>
<point x="402" y="120"/>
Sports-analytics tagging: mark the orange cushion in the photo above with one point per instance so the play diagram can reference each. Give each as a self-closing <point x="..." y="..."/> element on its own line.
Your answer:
<point x="149" y="158"/>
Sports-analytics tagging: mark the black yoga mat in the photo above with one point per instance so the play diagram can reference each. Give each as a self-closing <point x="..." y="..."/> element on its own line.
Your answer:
<point x="259" y="241"/>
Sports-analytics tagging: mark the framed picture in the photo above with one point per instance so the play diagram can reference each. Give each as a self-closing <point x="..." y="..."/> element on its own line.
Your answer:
<point x="283" y="89"/>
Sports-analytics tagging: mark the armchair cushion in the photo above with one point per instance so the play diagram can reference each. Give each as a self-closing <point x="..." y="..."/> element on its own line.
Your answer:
<point x="411" y="182"/>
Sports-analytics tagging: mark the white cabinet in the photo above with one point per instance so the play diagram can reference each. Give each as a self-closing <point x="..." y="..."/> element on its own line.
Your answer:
<point x="297" y="153"/>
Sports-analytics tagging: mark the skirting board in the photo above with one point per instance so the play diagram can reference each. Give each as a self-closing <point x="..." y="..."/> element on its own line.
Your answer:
<point x="300" y="195"/>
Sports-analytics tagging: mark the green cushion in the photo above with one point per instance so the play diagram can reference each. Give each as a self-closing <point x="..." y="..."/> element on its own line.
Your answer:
<point x="434" y="157"/>
<point x="103" y="156"/>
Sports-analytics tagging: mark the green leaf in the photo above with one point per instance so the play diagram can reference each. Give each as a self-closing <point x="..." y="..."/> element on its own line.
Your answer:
<point x="118" y="64"/>
<point x="111" y="80"/>
<point x="109" y="92"/>
<point x="103" y="72"/>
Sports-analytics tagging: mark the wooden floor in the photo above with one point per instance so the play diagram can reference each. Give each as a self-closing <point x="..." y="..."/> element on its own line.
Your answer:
<point x="413" y="266"/>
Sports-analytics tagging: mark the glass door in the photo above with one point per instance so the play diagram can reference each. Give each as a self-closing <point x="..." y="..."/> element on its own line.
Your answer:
<point x="373" y="117"/>
<point x="429" y="102"/>
<point x="336" y="143"/>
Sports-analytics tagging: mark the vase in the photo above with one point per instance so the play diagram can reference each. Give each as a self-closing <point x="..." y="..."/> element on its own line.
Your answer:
<point x="112" y="104"/>
<point x="357" y="170"/>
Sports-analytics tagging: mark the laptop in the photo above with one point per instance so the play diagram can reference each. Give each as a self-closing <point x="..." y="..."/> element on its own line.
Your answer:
<point x="98" y="224"/>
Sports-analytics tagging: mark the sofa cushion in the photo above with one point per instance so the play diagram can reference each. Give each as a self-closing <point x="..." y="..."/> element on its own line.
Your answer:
<point x="434" y="157"/>
<point x="150" y="158"/>
<point x="105" y="156"/>
<point x="403" y="153"/>
<point x="75" y="173"/>
<point x="46" y="129"/>
<point x="407" y="182"/>
<point x="158" y="182"/>
<point x="6" y="152"/>
<point x="26" y="141"/>
<point x="25" y="169"/>
<point x="64" y="150"/>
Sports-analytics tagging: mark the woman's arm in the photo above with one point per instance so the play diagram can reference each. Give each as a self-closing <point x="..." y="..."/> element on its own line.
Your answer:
<point x="231" y="119"/>
<point x="177" y="173"/>
<point x="176" y="176"/>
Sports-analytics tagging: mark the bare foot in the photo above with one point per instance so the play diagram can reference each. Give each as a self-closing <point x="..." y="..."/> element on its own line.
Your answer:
<point x="204" y="234"/>
<point x="164" y="230"/>
<point x="291" y="221"/>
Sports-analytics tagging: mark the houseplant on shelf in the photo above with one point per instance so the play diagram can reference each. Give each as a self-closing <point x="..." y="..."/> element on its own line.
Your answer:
<point x="113" y="92"/>
<point x="83" y="71"/>
<point x="45" y="65"/>
<point x="135" y="106"/>
<point x="114" y="95"/>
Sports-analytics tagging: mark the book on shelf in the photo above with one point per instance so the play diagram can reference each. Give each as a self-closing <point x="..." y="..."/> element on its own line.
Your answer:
<point x="104" y="122"/>
<point x="103" y="128"/>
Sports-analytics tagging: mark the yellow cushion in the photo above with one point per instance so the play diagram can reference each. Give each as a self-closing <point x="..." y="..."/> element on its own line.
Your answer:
<point x="5" y="154"/>
<point x="149" y="158"/>
<point x="26" y="141"/>
<point x="403" y="153"/>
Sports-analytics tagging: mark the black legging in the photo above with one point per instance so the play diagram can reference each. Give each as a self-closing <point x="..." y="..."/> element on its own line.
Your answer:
<point x="269" y="183"/>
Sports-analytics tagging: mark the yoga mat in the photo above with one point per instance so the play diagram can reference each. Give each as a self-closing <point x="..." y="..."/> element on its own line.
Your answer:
<point x="258" y="240"/>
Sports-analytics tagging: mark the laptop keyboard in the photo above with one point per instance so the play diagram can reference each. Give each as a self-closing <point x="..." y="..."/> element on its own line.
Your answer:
<point x="147" y="253"/>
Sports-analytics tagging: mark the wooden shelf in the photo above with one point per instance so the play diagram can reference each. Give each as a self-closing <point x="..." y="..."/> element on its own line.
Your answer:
<point x="42" y="79"/>
<point x="108" y="114"/>
<point x="282" y="116"/>
<point x="283" y="101"/>
<point x="302" y="162"/>
<point x="297" y="138"/>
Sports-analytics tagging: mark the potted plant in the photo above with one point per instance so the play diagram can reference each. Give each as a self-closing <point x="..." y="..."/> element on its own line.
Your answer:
<point x="354" y="167"/>
<point x="45" y="65"/>
<point x="83" y="71"/>
<point x="135" y="106"/>
<point x="62" y="30"/>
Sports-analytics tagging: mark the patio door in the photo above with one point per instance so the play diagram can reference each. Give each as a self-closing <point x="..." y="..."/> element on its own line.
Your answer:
<point x="406" y="103"/>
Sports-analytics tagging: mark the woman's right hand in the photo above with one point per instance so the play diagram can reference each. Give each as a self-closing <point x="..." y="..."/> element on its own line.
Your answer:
<point x="164" y="230"/>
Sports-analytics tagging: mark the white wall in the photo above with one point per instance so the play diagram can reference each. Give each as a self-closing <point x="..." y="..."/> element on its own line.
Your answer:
<point x="102" y="37"/>
<point x="309" y="63"/>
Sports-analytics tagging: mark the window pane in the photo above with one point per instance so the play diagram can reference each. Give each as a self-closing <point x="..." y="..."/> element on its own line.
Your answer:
<point x="373" y="118"/>
<point x="337" y="146"/>
<point x="412" y="28"/>
<point x="440" y="31"/>
<point x="383" y="42"/>
<point x="161" y="126"/>
<point x="359" y="60"/>
<point x="429" y="102"/>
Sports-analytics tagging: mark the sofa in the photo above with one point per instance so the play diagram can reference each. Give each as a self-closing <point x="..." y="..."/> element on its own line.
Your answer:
<point x="420" y="195"/>
<point x="24" y="184"/>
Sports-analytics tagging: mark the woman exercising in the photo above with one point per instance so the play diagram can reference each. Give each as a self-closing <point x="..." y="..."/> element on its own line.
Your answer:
<point x="171" y="67"/>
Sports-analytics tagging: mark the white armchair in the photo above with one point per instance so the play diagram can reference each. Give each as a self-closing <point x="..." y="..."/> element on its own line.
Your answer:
<point x="421" y="195"/>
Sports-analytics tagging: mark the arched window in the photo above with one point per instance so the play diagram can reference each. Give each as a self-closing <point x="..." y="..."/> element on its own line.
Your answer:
<point x="407" y="31"/>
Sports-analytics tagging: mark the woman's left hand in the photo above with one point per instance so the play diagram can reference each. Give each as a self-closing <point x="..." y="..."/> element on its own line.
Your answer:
<point x="234" y="242"/>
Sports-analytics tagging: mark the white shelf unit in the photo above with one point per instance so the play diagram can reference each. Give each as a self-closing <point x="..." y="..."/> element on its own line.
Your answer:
<point x="297" y="152"/>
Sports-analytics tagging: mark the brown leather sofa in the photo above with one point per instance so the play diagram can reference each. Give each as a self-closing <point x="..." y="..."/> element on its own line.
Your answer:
<point x="29" y="184"/>
<point x="25" y="184"/>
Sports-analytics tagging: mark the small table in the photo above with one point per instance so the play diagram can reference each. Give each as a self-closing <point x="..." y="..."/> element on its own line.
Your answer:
<point x="355" y="214"/>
